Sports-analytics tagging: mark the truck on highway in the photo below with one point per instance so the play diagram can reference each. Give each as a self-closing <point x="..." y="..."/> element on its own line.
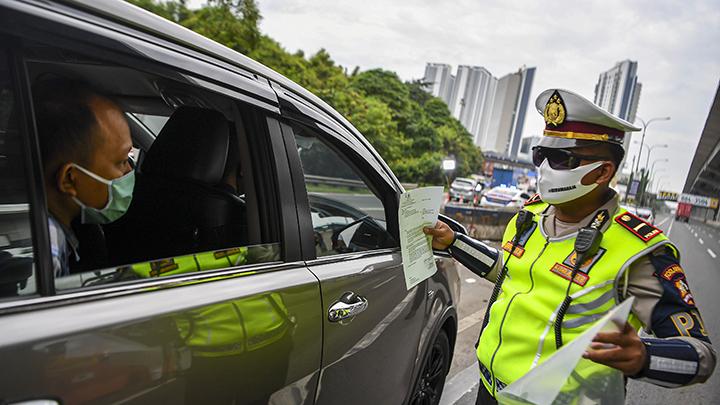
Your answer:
<point x="682" y="213"/>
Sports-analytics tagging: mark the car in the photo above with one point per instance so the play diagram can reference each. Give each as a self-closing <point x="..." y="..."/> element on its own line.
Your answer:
<point x="503" y="196"/>
<point x="465" y="190"/>
<point x="259" y="260"/>
<point x="645" y="213"/>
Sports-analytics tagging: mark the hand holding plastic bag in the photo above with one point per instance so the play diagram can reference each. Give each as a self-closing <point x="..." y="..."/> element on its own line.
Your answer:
<point x="564" y="378"/>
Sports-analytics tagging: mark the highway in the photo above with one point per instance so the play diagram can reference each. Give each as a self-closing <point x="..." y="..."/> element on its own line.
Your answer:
<point x="699" y="245"/>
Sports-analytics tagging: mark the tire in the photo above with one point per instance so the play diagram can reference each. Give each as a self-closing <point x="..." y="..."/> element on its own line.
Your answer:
<point x="431" y="380"/>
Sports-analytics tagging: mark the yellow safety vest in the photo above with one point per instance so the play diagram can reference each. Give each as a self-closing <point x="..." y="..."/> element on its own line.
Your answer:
<point x="520" y="332"/>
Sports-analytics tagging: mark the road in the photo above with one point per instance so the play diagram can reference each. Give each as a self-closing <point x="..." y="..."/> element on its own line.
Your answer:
<point x="699" y="245"/>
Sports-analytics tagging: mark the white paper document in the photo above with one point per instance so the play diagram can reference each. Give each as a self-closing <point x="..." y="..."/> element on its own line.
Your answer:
<point x="418" y="208"/>
<point x="564" y="378"/>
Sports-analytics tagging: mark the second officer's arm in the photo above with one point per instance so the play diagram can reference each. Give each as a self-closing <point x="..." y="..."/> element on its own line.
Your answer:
<point x="478" y="257"/>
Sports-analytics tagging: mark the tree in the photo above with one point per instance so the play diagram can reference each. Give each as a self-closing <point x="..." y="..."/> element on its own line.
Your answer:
<point x="412" y="130"/>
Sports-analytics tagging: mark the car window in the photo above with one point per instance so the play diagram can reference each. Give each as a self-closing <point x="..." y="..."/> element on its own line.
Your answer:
<point x="16" y="251"/>
<point x="190" y="203"/>
<point x="154" y="123"/>
<point x="347" y="215"/>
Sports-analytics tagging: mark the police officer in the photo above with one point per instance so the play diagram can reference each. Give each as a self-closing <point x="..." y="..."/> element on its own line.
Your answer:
<point x="571" y="255"/>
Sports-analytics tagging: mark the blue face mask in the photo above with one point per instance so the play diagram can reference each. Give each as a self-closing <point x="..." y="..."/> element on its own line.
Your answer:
<point x="120" y="192"/>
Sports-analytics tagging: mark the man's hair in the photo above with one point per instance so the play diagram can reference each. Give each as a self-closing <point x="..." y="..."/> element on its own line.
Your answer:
<point x="64" y="120"/>
<point x="617" y="153"/>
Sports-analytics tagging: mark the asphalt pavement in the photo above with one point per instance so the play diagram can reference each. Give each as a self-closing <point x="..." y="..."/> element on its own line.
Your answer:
<point x="699" y="246"/>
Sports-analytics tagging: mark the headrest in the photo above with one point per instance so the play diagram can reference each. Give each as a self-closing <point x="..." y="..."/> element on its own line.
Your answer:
<point x="193" y="145"/>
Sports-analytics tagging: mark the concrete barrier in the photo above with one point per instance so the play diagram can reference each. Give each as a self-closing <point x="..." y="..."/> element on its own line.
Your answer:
<point x="481" y="222"/>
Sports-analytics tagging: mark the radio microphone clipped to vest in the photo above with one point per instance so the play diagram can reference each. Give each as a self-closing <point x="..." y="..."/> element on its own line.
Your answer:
<point x="587" y="244"/>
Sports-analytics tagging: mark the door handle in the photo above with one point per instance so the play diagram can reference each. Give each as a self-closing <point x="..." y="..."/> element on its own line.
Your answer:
<point x="349" y="305"/>
<point x="37" y="402"/>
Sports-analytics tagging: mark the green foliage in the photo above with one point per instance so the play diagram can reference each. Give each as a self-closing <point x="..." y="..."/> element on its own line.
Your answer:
<point x="412" y="130"/>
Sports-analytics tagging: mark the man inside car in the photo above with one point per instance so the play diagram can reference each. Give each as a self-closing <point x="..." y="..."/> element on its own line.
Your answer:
<point x="84" y="143"/>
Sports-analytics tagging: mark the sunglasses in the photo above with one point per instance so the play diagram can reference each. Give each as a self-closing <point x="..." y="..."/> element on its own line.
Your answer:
<point x="561" y="159"/>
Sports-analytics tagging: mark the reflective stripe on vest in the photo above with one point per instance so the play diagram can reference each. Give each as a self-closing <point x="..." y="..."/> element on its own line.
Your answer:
<point x="520" y="331"/>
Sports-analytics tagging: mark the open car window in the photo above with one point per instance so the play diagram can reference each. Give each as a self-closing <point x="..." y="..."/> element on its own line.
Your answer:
<point x="347" y="215"/>
<point x="194" y="203"/>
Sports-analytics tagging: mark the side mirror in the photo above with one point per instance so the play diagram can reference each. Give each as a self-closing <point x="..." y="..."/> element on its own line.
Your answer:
<point x="453" y="224"/>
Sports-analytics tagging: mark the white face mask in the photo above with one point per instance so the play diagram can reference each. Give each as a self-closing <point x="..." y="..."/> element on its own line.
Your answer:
<point x="560" y="186"/>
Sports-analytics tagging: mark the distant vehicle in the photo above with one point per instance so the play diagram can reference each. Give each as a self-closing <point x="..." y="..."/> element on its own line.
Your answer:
<point x="502" y="177"/>
<point x="503" y="196"/>
<point x="644" y="213"/>
<point x="466" y="190"/>
<point x="682" y="213"/>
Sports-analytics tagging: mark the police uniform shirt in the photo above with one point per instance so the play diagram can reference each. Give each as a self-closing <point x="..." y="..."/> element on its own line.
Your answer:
<point x="657" y="304"/>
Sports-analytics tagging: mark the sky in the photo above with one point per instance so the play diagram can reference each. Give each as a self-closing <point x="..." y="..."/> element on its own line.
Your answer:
<point x="676" y="45"/>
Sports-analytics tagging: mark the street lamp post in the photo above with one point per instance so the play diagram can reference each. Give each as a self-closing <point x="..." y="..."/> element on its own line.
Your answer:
<point x="654" y="162"/>
<point x="645" y="124"/>
<point x="647" y="159"/>
<point x="448" y="167"/>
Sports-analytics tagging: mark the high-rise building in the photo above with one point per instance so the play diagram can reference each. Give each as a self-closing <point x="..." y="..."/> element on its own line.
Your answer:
<point x="471" y="98"/>
<point x="618" y="91"/>
<point x="492" y="110"/>
<point x="509" y="109"/>
<point x="439" y="80"/>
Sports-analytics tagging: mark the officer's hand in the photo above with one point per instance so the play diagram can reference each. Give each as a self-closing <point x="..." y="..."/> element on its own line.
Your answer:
<point x="442" y="235"/>
<point x="621" y="350"/>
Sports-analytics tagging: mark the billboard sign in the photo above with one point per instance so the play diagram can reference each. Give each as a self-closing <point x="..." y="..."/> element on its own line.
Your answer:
<point x="634" y="187"/>
<point x="667" y="196"/>
<point x="698" y="200"/>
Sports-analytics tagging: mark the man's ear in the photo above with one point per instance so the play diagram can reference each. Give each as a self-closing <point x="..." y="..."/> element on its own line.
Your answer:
<point x="65" y="180"/>
<point x="607" y="172"/>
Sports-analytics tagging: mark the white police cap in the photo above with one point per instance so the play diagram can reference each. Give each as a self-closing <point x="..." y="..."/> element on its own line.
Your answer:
<point x="572" y="120"/>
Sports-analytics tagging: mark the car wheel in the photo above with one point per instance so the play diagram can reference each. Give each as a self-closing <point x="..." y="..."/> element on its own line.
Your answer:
<point x="431" y="380"/>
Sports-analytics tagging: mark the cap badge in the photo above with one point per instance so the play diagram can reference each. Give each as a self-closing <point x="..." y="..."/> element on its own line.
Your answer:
<point x="554" y="113"/>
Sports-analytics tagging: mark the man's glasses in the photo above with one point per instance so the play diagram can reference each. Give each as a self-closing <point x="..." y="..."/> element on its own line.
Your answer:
<point x="561" y="159"/>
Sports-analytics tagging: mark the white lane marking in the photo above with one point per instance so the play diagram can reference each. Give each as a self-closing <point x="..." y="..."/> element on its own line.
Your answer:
<point x="702" y="242"/>
<point x="672" y="222"/>
<point x="470" y="280"/>
<point x="470" y="320"/>
<point x="662" y="222"/>
<point x="711" y="253"/>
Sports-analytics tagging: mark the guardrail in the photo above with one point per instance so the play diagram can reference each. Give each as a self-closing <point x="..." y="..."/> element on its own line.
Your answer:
<point x="482" y="222"/>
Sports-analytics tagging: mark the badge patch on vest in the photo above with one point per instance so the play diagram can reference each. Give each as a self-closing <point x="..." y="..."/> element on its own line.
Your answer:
<point x="159" y="267"/>
<point x="589" y="262"/>
<point x="637" y="226"/>
<point x="226" y="252"/>
<point x="520" y="248"/>
<point x="533" y="200"/>
<point x="518" y="252"/>
<point x="565" y="272"/>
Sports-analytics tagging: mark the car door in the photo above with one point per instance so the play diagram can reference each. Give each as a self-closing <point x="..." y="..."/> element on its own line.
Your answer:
<point x="372" y="322"/>
<point x="242" y="327"/>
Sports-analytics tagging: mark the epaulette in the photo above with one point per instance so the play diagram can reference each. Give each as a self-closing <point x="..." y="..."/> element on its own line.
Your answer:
<point x="533" y="200"/>
<point x="637" y="226"/>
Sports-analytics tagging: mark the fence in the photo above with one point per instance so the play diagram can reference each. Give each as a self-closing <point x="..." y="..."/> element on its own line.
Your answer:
<point x="482" y="222"/>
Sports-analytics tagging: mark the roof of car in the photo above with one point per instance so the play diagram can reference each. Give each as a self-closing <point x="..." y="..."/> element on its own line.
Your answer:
<point x="135" y="17"/>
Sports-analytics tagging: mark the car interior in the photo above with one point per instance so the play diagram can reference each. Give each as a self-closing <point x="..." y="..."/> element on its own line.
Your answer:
<point x="195" y="188"/>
